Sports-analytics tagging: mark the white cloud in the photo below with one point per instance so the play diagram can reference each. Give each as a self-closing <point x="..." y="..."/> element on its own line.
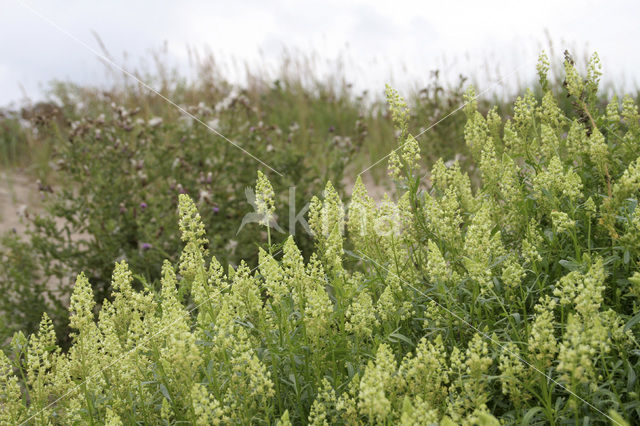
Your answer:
<point x="405" y="39"/>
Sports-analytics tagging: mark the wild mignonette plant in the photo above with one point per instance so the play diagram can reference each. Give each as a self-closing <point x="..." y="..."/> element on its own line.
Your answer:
<point x="120" y="170"/>
<point x="513" y="303"/>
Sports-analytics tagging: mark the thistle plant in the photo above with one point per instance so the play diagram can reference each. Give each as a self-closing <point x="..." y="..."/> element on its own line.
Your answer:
<point x="111" y="165"/>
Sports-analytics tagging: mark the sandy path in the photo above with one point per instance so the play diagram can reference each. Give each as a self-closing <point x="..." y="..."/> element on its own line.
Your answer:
<point x="17" y="193"/>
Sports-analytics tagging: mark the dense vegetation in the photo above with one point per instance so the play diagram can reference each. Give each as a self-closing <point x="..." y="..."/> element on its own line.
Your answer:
<point x="112" y="163"/>
<point x="516" y="299"/>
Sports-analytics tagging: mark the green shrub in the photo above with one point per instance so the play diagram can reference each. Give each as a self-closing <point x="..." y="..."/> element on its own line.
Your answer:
<point x="119" y="174"/>
<point x="12" y="140"/>
<point x="517" y="301"/>
<point x="121" y="157"/>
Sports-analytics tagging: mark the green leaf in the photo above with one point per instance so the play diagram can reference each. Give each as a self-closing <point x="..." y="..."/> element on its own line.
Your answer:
<point x="617" y="419"/>
<point x="530" y="415"/>
<point x="633" y="321"/>
<point x="395" y="337"/>
<point x="569" y="264"/>
<point x="165" y="392"/>
<point x="631" y="376"/>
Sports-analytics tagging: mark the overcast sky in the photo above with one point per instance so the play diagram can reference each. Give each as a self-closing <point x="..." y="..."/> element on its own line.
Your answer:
<point x="381" y="41"/>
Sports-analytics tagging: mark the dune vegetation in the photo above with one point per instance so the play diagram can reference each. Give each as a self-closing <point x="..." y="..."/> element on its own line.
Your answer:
<point x="498" y="282"/>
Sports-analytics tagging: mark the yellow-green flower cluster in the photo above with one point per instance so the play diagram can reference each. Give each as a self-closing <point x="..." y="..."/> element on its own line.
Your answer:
<point x="575" y="84"/>
<point x="426" y="374"/>
<point x="562" y="222"/>
<point x="360" y="315"/>
<point x="191" y="226"/>
<point x="513" y="373"/>
<point x="327" y="220"/>
<point x="594" y="72"/>
<point x="557" y="183"/>
<point x="482" y="246"/>
<point x="476" y="135"/>
<point x="613" y="111"/>
<point x="577" y="141"/>
<point x="549" y="113"/>
<point x="532" y="243"/>
<point x="361" y="218"/>
<point x="323" y="403"/>
<point x="513" y="273"/>
<point x="542" y="341"/>
<point x="630" y="115"/>
<point x="206" y="408"/>
<point x="437" y="306"/>
<point x="524" y="110"/>
<point x="374" y="385"/>
<point x="443" y="217"/>
<point x="410" y="150"/>
<point x="582" y="344"/>
<point x="586" y="338"/>
<point x="10" y="393"/>
<point x="598" y="150"/>
<point x="542" y="68"/>
<point x="317" y="311"/>
<point x="265" y="203"/>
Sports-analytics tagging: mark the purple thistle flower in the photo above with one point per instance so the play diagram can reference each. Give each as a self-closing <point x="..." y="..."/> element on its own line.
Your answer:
<point x="331" y="129"/>
<point x="216" y="209"/>
<point x="143" y="205"/>
<point x="145" y="246"/>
